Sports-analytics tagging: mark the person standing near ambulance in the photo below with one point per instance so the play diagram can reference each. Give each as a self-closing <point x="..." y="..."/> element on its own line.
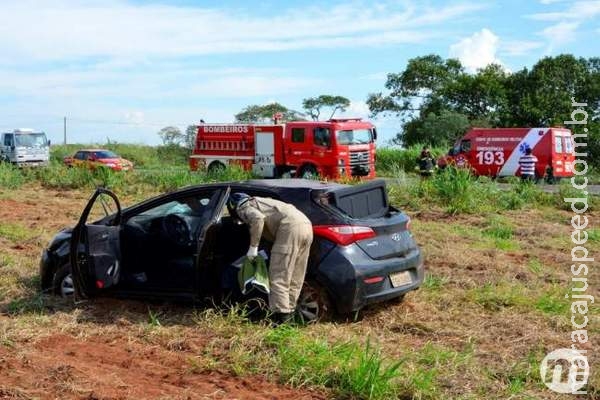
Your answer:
<point x="291" y="233"/>
<point x="527" y="163"/>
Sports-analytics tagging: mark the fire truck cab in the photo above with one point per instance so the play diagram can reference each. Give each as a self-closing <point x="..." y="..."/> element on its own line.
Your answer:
<point x="333" y="148"/>
<point x="496" y="151"/>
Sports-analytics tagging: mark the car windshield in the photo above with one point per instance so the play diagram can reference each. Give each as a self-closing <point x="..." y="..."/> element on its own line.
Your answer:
<point x="354" y="136"/>
<point x="105" y="154"/>
<point x="31" y="139"/>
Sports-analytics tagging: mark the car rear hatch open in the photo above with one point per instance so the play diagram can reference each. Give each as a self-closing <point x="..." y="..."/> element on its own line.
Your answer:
<point x="377" y="228"/>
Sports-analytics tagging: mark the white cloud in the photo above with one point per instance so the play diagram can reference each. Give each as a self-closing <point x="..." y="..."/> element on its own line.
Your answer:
<point x="477" y="50"/>
<point x="73" y="29"/>
<point x="559" y="34"/>
<point x="139" y="67"/>
<point x="135" y="117"/>
<point x="519" y="47"/>
<point x="565" y="22"/>
<point x="578" y="10"/>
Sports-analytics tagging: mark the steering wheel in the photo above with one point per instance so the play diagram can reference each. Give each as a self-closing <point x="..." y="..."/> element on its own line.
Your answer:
<point x="177" y="229"/>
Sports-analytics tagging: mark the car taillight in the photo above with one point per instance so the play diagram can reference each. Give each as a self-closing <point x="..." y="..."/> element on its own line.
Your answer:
<point x="344" y="234"/>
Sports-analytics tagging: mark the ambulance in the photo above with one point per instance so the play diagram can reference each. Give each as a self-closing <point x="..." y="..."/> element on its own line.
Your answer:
<point x="496" y="152"/>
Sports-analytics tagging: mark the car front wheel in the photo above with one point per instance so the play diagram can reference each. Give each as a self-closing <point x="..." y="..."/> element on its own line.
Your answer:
<point x="63" y="282"/>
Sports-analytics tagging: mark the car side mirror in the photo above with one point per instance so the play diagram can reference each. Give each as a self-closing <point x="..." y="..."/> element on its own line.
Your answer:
<point x="12" y="148"/>
<point x="48" y="142"/>
<point x="374" y="134"/>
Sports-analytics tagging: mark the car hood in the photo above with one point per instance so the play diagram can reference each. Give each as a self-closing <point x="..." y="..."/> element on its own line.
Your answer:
<point x="61" y="237"/>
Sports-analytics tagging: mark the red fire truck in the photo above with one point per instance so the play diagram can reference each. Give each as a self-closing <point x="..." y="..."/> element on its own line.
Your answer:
<point x="496" y="151"/>
<point x="334" y="148"/>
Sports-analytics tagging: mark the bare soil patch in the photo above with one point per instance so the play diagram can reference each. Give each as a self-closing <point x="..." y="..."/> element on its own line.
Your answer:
<point x="112" y="367"/>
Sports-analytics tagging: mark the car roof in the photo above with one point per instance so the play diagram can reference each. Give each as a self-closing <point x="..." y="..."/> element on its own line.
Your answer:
<point x="90" y="150"/>
<point x="294" y="183"/>
<point x="281" y="187"/>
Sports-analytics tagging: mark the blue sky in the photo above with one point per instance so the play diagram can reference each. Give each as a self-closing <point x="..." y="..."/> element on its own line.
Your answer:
<point x="124" y="69"/>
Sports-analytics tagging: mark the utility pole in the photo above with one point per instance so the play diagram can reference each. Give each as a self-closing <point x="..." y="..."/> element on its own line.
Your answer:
<point x="65" y="130"/>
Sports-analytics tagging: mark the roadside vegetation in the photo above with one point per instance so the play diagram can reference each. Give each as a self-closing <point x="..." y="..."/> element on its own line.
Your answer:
<point x="491" y="307"/>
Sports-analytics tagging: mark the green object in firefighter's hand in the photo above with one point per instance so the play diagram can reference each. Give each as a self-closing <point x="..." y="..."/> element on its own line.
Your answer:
<point x="254" y="274"/>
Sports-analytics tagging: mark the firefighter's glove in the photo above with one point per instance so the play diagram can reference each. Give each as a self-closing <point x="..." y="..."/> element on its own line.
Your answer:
<point x="252" y="252"/>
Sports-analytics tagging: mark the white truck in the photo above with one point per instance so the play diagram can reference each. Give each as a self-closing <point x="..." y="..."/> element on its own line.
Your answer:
<point x="23" y="147"/>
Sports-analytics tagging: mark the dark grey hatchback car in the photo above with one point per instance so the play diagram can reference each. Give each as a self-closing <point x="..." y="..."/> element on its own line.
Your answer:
<point x="181" y="245"/>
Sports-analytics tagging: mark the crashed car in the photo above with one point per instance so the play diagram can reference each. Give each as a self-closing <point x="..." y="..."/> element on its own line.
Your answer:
<point x="181" y="246"/>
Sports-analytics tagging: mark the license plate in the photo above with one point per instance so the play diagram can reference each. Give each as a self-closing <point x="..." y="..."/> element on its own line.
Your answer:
<point x="400" y="278"/>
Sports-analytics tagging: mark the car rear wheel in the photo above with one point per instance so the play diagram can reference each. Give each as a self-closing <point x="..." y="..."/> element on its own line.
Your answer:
<point x="314" y="304"/>
<point x="63" y="282"/>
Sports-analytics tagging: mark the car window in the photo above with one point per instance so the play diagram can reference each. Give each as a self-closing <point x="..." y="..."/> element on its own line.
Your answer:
<point x="8" y="140"/>
<point x="558" y="144"/>
<point x="465" y="146"/>
<point x="298" y="135"/>
<point x="322" y="137"/>
<point x="568" y="144"/>
<point x="105" y="154"/>
<point x="198" y="205"/>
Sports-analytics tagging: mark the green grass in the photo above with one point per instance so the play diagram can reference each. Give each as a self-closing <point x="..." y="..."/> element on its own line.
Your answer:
<point x="535" y="266"/>
<point x="552" y="303"/>
<point x="458" y="192"/>
<point x="496" y="296"/>
<point x="11" y="177"/>
<point x="15" y="232"/>
<point x="350" y="369"/>
<point x="434" y="282"/>
<point x="594" y="235"/>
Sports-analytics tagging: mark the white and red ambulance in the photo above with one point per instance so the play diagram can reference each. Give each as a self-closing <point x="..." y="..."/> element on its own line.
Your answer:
<point x="496" y="151"/>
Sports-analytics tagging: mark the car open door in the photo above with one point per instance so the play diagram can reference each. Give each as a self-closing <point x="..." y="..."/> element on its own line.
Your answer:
<point x="95" y="248"/>
<point x="207" y="281"/>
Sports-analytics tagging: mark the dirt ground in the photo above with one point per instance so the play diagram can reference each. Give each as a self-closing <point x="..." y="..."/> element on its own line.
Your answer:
<point x="61" y="366"/>
<point x="491" y="308"/>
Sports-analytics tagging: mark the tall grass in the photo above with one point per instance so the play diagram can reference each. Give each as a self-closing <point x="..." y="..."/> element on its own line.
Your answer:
<point x="389" y="161"/>
<point x="459" y="192"/>
<point x="10" y="176"/>
<point x="142" y="156"/>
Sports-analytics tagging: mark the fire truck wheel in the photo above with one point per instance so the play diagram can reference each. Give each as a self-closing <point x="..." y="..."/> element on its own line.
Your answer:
<point x="215" y="167"/>
<point x="307" y="172"/>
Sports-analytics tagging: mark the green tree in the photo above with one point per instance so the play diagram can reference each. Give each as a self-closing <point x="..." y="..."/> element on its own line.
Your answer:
<point x="314" y="105"/>
<point x="264" y="113"/>
<point x="432" y="97"/>
<point x="190" y="136"/>
<point x="437" y="129"/>
<point x="171" y="135"/>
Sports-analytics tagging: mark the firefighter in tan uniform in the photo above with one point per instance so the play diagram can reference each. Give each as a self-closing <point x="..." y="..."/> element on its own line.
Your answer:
<point x="291" y="233"/>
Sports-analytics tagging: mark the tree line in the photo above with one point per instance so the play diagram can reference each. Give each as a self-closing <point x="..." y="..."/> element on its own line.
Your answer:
<point x="437" y="100"/>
